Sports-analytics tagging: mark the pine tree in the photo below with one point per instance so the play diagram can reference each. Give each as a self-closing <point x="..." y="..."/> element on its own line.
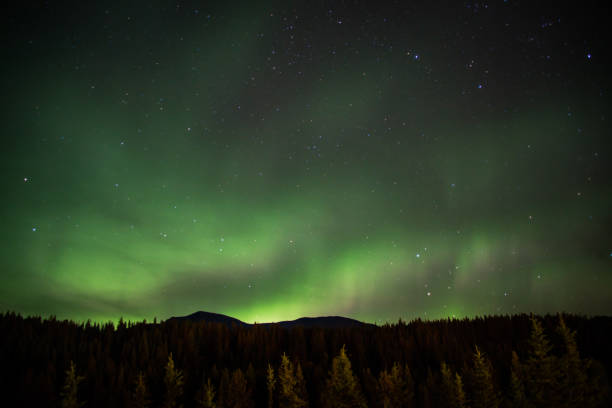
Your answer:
<point x="393" y="387"/>
<point x="448" y="391"/>
<point x="370" y="387"/>
<point x="288" y="386"/>
<point x="452" y="394"/>
<point x="428" y="390"/>
<point x="71" y="388"/>
<point x="573" y="381"/>
<point x="540" y="374"/>
<point x="173" y="381"/>
<point x="384" y="389"/>
<point x="140" y="395"/>
<point x="484" y="394"/>
<point x="300" y="384"/>
<point x="224" y="384"/>
<point x="517" y="387"/>
<point x="460" y="400"/>
<point x="207" y="396"/>
<point x="271" y="385"/>
<point x="409" y="385"/>
<point x="239" y="395"/>
<point x="342" y="390"/>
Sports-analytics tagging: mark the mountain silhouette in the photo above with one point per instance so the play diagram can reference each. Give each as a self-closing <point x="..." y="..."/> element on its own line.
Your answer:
<point x="331" y="322"/>
<point x="210" y="318"/>
<point x="327" y="322"/>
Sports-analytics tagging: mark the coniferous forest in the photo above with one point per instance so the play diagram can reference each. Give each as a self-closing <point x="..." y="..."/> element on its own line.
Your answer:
<point x="500" y="361"/>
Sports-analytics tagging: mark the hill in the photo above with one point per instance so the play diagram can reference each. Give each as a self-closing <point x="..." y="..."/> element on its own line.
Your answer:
<point x="325" y="322"/>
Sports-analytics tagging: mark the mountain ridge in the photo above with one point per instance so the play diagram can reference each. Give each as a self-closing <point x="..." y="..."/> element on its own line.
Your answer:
<point x="306" y="322"/>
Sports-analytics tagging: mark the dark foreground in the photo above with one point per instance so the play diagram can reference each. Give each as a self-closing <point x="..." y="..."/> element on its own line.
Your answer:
<point x="485" y="362"/>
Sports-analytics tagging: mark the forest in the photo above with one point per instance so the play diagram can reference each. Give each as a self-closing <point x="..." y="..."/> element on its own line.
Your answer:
<point x="494" y="361"/>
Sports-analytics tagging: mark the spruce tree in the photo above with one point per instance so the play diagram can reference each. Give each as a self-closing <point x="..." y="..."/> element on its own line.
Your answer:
<point x="573" y="379"/>
<point x="224" y="384"/>
<point x="447" y="392"/>
<point x="484" y="394"/>
<point x="140" y="395"/>
<point x="384" y="389"/>
<point x="459" y="400"/>
<point x="300" y="384"/>
<point x="342" y="390"/>
<point x="207" y="396"/>
<point x="239" y="395"/>
<point x="540" y="374"/>
<point x="517" y="387"/>
<point x="71" y="388"/>
<point x="271" y="385"/>
<point x="288" y="386"/>
<point x="409" y="384"/>
<point x="393" y="388"/>
<point x="173" y="380"/>
<point x="452" y="394"/>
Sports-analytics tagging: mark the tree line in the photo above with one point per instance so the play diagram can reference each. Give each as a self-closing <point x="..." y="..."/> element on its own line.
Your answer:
<point x="501" y="361"/>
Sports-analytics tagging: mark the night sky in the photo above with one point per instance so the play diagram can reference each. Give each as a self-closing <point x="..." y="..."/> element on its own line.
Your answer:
<point x="374" y="160"/>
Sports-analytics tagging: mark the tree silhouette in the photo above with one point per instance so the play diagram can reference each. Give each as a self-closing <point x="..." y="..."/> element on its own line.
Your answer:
<point x="71" y="388"/>
<point x="270" y="385"/>
<point x="575" y="387"/>
<point x="288" y="385"/>
<point x="517" y="387"/>
<point x="140" y="396"/>
<point x="460" y="400"/>
<point x="207" y="396"/>
<point x="540" y="375"/>
<point x="447" y="390"/>
<point x="300" y="384"/>
<point x="452" y="393"/>
<point x="342" y="390"/>
<point x="173" y="380"/>
<point x="483" y="393"/>
<point x="393" y="388"/>
<point x="239" y="395"/>
<point x="224" y="385"/>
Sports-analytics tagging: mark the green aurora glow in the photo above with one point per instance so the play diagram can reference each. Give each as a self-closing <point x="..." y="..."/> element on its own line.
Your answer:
<point x="175" y="161"/>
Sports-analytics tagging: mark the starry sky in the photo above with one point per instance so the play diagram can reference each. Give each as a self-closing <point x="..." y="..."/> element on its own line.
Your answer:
<point x="268" y="161"/>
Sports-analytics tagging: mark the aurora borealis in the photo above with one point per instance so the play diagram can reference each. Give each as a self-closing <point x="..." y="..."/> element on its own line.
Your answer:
<point x="374" y="160"/>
